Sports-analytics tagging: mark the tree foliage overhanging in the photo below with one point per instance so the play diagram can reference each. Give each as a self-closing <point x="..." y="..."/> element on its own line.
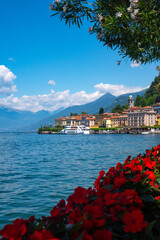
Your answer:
<point x="132" y="26"/>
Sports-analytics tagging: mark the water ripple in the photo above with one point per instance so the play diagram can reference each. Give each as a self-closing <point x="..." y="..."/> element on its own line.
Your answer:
<point x="36" y="171"/>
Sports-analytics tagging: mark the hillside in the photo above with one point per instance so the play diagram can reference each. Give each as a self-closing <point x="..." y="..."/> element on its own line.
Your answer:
<point x="91" y="108"/>
<point x="11" y="119"/>
<point x="107" y="101"/>
<point x="123" y="99"/>
<point x="151" y="96"/>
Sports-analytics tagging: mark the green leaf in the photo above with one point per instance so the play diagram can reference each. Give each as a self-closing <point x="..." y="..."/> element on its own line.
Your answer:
<point x="109" y="187"/>
<point x="80" y="236"/>
<point x="149" y="227"/>
<point x="147" y="198"/>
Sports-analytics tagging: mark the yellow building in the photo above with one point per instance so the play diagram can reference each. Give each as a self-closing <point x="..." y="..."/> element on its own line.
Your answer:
<point x="103" y="119"/>
<point x="158" y="120"/>
<point x="90" y="121"/>
<point x="119" y="121"/>
<point x="61" y="121"/>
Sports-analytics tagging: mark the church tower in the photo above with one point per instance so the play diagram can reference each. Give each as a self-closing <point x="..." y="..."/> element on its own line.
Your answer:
<point x="130" y="101"/>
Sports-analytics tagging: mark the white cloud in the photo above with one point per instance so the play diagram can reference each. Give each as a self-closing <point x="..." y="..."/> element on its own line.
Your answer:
<point x="116" y="90"/>
<point x="51" y="82"/>
<point x="11" y="59"/>
<point x="6" y="81"/>
<point x="53" y="100"/>
<point x="50" y="102"/>
<point x="135" y="64"/>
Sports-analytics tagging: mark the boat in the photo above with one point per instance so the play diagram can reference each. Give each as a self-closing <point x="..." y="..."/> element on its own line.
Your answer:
<point x="75" y="130"/>
<point x="145" y="133"/>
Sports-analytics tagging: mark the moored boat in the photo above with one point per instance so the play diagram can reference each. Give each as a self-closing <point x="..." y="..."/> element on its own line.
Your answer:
<point x="75" y="130"/>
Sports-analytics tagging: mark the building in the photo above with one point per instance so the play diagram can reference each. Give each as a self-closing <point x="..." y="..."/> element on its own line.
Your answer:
<point x="158" y="119"/>
<point x="156" y="107"/>
<point x="90" y="121"/>
<point x="130" y="102"/>
<point x="61" y="121"/>
<point x="119" y="121"/>
<point x="74" y="120"/>
<point x="141" y="118"/>
<point x="103" y="119"/>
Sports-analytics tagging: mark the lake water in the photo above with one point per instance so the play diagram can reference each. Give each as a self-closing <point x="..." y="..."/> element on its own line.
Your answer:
<point x="36" y="171"/>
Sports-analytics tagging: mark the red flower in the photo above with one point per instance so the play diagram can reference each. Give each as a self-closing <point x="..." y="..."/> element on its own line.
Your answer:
<point x="157" y="198"/>
<point x="87" y="225"/>
<point x="134" y="221"/>
<point x="148" y="152"/>
<point x="119" y="181"/>
<point x="31" y="219"/>
<point x="150" y="175"/>
<point x="80" y="196"/>
<point x="87" y="236"/>
<point x="129" y="196"/>
<point x="137" y="178"/>
<point x="42" y="235"/>
<point x="98" y="180"/>
<point x="102" y="234"/>
<point x="14" y="231"/>
<point x="111" y="198"/>
<point x="75" y="215"/>
<point x="155" y="153"/>
<point x="157" y="147"/>
<point x="149" y="163"/>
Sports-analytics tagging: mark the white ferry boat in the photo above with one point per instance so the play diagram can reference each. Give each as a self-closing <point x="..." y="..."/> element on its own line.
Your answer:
<point x="75" y="130"/>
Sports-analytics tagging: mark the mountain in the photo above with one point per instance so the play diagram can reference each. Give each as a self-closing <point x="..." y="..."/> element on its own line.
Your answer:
<point x="123" y="99"/>
<point x="91" y="108"/>
<point x="11" y="119"/>
<point x="107" y="101"/>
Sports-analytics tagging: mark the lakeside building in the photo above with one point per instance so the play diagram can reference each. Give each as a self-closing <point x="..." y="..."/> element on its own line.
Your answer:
<point x="61" y="121"/>
<point x="90" y="121"/>
<point x="158" y="119"/>
<point x="132" y="117"/>
<point x="104" y="119"/>
<point x="119" y="121"/>
<point x="141" y="118"/>
<point x="76" y="120"/>
<point x="156" y="107"/>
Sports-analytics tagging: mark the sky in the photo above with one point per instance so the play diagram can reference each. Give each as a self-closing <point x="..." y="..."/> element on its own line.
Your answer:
<point x="45" y="65"/>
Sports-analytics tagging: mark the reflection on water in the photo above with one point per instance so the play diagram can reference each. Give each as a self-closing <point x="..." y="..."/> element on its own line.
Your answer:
<point x="36" y="171"/>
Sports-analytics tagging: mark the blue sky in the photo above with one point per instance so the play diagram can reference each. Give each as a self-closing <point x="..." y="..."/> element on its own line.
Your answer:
<point x="36" y="48"/>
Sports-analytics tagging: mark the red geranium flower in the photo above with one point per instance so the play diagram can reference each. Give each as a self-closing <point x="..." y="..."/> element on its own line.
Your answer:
<point x="134" y="221"/>
<point x="102" y="234"/>
<point x="149" y="163"/>
<point x="87" y="236"/>
<point x="42" y="235"/>
<point x="150" y="175"/>
<point x="111" y="198"/>
<point x="14" y="231"/>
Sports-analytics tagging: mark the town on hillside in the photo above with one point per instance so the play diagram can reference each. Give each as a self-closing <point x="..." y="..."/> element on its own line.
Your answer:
<point x="133" y="117"/>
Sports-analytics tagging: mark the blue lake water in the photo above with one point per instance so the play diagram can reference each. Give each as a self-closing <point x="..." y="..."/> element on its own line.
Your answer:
<point x="36" y="171"/>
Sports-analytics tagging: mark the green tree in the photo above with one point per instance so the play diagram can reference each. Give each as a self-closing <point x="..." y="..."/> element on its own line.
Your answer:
<point x="157" y="99"/>
<point x="101" y="110"/>
<point x="132" y="26"/>
<point x="83" y="112"/>
<point x="152" y="90"/>
<point x="151" y="96"/>
<point x="138" y="101"/>
<point x="71" y="114"/>
<point x="118" y="108"/>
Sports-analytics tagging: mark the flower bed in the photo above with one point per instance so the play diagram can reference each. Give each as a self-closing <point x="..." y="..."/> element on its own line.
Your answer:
<point x="124" y="204"/>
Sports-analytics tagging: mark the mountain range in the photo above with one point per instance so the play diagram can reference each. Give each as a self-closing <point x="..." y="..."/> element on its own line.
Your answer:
<point x="16" y="120"/>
